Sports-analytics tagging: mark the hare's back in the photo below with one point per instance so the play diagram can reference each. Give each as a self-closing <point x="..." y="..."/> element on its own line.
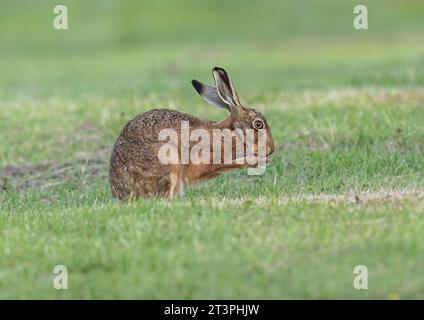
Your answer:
<point x="139" y="139"/>
<point x="149" y="124"/>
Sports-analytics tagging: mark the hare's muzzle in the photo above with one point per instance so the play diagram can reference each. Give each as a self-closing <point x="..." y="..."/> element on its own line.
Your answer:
<point x="270" y="148"/>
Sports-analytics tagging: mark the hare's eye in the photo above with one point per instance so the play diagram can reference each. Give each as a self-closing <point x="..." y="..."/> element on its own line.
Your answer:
<point x="258" y="124"/>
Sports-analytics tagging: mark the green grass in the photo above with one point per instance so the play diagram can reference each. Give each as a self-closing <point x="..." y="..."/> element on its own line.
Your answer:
<point x="215" y="249"/>
<point x="345" y="106"/>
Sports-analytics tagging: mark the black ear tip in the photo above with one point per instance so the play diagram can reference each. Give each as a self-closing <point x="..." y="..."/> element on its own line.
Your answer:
<point x="197" y="85"/>
<point x="220" y="71"/>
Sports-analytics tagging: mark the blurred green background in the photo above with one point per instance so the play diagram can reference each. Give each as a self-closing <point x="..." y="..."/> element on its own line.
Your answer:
<point x="145" y="47"/>
<point x="119" y="58"/>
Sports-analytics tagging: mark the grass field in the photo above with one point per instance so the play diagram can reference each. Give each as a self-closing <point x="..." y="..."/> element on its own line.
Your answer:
<point x="345" y="188"/>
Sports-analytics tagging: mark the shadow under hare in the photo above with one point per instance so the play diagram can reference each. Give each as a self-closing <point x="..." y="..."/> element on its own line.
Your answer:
<point x="137" y="170"/>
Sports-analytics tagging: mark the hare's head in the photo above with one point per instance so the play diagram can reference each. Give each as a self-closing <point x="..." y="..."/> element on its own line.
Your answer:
<point x="224" y="95"/>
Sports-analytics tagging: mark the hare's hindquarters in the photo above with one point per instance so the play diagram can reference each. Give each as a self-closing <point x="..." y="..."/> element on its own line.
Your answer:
<point x="135" y="173"/>
<point x="135" y="166"/>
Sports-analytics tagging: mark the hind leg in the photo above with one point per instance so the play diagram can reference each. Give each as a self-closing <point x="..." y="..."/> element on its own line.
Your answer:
<point x="179" y="188"/>
<point x="175" y="186"/>
<point x="133" y="182"/>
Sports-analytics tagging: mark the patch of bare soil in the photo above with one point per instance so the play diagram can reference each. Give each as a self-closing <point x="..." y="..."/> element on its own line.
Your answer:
<point x="360" y="197"/>
<point x="348" y="197"/>
<point x="82" y="169"/>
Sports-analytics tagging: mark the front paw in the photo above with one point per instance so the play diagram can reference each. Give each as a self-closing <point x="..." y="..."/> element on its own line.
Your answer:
<point x="269" y="159"/>
<point x="254" y="161"/>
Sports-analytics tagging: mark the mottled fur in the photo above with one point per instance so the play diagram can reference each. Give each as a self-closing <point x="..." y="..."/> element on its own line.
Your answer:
<point x="135" y="169"/>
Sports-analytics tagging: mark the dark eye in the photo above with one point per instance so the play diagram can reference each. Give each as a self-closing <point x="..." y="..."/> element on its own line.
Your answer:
<point x="258" y="124"/>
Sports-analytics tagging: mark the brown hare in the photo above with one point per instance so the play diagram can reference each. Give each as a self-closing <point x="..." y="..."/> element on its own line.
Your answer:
<point x="135" y="167"/>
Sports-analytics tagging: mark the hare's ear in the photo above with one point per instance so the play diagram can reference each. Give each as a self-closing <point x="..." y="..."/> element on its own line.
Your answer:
<point x="225" y="88"/>
<point x="210" y="94"/>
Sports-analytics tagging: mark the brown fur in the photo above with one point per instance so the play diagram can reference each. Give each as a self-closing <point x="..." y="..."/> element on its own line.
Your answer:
<point x="135" y="169"/>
